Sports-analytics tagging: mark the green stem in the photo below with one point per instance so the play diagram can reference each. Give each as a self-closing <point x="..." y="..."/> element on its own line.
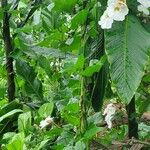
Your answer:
<point x="83" y="96"/>
<point x="83" y="120"/>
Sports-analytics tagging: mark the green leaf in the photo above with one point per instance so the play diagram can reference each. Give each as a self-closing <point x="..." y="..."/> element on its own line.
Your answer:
<point x="89" y="71"/>
<point x="45" y="64"/>
<point x="32" y="85"/>
<point x="25" y="71"/>
<point x="3" y="102"/>
<point x="96" y="118"/>
<point x="54" y="132"/>
<point x="24" y="122"/>
<point x="71" y="113"/>
<point x="42" y="144"/>
<point x="64" y="5"/>
<point x="9" y="107"/>
<point x="9" y="114"/>
<point x="80" y="62"/>
<point x="47" y="52"/>
<point x="79" y="19"/>
<point x="46" y="26"/>
<point x="127" y="45"/>
<point x="46" y="109"/>
<point x="80" y="146"/>
<point x="92" y="131"/>
<point x="17" y="142"/>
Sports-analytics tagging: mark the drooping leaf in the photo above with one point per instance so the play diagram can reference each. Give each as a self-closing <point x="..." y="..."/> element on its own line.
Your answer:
<point x="9" y="107"/>
<point x="92" y="131"/>
<point x="80" y="145"/>
<point x="80" y="62"/>
<point x="89" y="71"/>
<point x="46" y="110"/>
<point x="33" y="85"/>
<point x="24" y="122"/>
<point x="79" y="18"/>
<point x="16" y="143"/>
<point x="64" y="5"/>
<point x="51" y="52"/>
<point x="45" y="64"/>
<point x="9" y="114"/>
<point x="98" y="79"/>
<point x="127" y="45"/>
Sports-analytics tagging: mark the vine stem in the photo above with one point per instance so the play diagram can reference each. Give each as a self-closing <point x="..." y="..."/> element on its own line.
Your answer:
<point x="83" y="120"/>
<point x="8" y="50"/>
<point x="83" y="96"/>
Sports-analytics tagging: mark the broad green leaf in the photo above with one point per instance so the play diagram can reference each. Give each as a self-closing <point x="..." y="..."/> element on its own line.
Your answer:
<point x="45" y="64"/>
<point x="80" y="62"/>
<point x="34" y="88"/>
<point x="3" y="102"/>
<point x="79" y="18"/>
<point x="8" y="136"/>
<point x="64" y="5"/>
<point x="24" y="122"/>
<point x="46" y="109"/>
<point x="46" y="26"/>
<point x="80" y="146"/>
<point x="9" y="114"/>
<point x="127" y="45"/>
<point x="92" y="131"/>
<point x="48" y="52"/>
<point x="71" y="113"/>
<point x="25" y="71"/>
<point x="42" y="144"/>
<point x="54" y="132"/>
<point x="9" y="107"/>
<point x="97" y="118"/>
<point x="89" y="71"/>
<point x="73" y="119"/>
<point x="17" y="142"/>
<point x="32" y="85"/>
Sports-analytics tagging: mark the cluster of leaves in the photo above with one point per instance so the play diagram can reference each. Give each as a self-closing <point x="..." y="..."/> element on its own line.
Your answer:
<point x="51" y="54"/>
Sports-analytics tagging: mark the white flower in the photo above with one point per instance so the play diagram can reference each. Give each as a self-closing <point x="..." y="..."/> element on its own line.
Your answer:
<point x="105" y="21"/>
<point x="109" y="113"/>
<point x="110" y="2"/>
<point x="118" y="10"/>
<point x="46" y="122"/>
<point x="145" y="3"/>
<point x="143" y="9"/>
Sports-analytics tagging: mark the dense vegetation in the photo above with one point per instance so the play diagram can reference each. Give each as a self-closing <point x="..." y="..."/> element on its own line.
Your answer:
<point x="74" y="74"/>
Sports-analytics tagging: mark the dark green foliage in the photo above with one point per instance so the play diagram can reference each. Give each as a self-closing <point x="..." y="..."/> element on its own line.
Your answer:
<point x="33" y="85"/>
<point x="99" y="80"/>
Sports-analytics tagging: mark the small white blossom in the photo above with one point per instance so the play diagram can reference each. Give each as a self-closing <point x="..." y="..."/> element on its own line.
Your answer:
<point x="116" y="10"/>
<point x="46" y="122"/>
<point x="109" y="114"/>
<point x="143" y="7"/>
<point x="145" y="3"/>
<point x="106" y="21"/>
